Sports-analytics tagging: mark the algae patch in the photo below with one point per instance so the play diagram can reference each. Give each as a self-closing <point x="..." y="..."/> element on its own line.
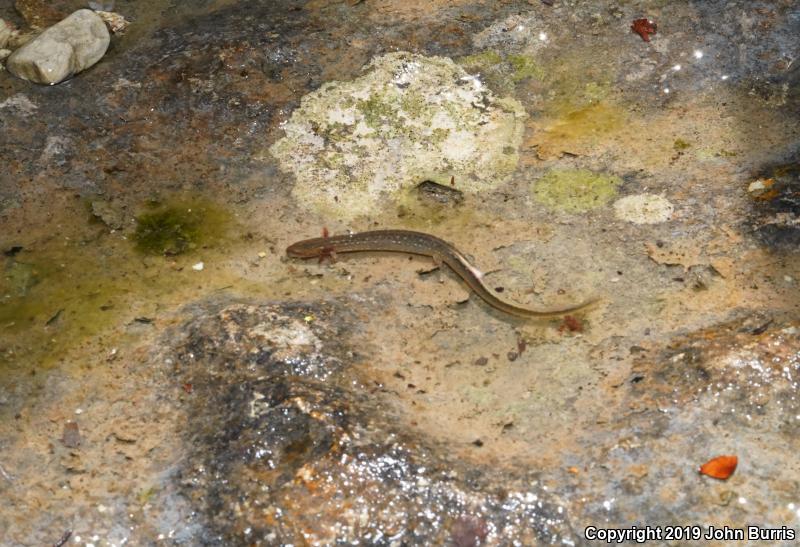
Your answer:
<point x="77" y="279"/>
<point x="502" y="72"/>
<point x="575" y="190"/>
<point x="178" y="228"/>
<point x="680" y="145"/>
<point x="354" y="146"/>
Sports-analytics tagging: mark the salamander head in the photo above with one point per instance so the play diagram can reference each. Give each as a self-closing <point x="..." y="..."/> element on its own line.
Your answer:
<point x="307" y="248"/>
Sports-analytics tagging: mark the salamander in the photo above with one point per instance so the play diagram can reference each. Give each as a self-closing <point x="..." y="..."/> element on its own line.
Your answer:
<point x="419" y="243"/>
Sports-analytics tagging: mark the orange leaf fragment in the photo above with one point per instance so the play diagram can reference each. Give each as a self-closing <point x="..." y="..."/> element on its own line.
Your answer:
<point x="720" y="467"/>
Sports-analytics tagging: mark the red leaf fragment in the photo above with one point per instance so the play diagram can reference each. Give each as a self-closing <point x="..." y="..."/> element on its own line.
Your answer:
<point x="570" y="324"/>
<point x="644" y="27"/>
<point x="720" y="467"/>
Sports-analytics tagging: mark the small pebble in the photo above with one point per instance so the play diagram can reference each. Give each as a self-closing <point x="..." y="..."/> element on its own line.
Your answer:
<point x="71" y="438"/>
<point x="198" y="267"/>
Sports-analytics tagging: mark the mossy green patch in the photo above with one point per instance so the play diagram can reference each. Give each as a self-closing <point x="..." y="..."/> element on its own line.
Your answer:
<point x="81" y="280"/>
<point x="502" y="72"/>
<point x="178" y="228"/>
<point x="524" y="67"/>
<point x="480" y="60"/>
<point x="575" y="190"/>
<point x="377" y="110"/>
<point x="680" y="144"/>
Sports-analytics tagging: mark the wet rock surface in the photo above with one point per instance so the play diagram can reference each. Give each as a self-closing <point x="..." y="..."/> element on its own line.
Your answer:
<point x="370" y="399"/>
<point x="776" y="202"/>
<point x="728" y="389"/>
<point x="290" y="446"/>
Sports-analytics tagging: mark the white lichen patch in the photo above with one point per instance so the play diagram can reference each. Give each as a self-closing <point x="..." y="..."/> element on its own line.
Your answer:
<point x="354" y="145"/>
<point x="644" y="209"/>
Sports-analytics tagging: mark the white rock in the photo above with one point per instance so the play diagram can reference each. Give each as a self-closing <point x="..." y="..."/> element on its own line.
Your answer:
<point x="66" y="48"/>
<point x="644" y="209"/>
<point x="353" y="146"/>
<point x="5" y="33"/>
<point x="198" y="267"/>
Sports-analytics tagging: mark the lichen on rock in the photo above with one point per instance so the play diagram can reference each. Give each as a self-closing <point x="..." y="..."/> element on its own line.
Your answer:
<point x="644" y="209"/>
<point x="575" y="190"/>
<point x="352" y="145"/>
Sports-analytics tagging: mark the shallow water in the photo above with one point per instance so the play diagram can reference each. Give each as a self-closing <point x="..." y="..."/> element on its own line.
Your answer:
<point x="185" y="111"/>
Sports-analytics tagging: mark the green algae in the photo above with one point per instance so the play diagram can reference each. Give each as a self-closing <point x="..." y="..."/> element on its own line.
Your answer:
<point x="524" y="67"/>
<point x="480" y="60"/>
<point x="75" y="293"/>
<point x="178" y="228"/>
<point x="575" y="190"/>
<point x="70" y="285"/>
<point x="502" y="72"/>
<point x="680" y="144"/>
<point x="377" y="111"/>
<point x="708" y="153"/>
<point x="19" y="278"/>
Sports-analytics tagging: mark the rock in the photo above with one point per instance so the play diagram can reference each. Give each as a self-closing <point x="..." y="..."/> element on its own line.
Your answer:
<point x="66" y="48"/>
<point x="4" y="53"/>
<point x="353" y="144"/>
<point x="5" y="33"/>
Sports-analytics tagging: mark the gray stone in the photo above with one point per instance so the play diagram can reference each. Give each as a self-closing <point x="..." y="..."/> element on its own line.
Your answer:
<point x="66" y="48"/>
